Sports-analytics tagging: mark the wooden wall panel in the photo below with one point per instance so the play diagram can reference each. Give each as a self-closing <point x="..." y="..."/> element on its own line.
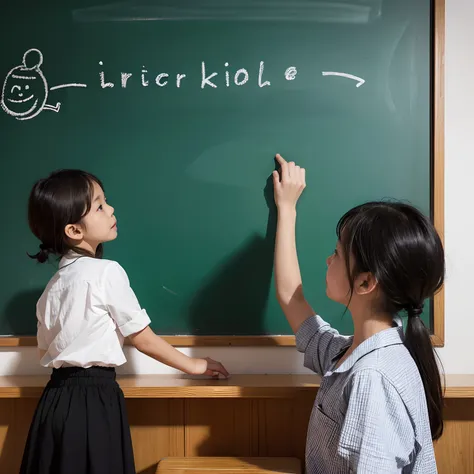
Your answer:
<point x="15" y="419"/>
<point x="220" y="427"/>
<point x="455" y="449"/>
<point x="229" y="427"/>
<point x="275" y="427"/>
<point x="157" y="428"/>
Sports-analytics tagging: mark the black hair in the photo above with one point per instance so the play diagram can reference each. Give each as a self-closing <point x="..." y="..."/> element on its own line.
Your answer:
<point x="401" y="248"/>
<point x="63" y="198"/>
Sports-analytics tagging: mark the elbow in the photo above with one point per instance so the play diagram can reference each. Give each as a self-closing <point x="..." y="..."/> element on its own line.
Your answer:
<point x="139" y="345"/>
<point x="142" y="340"/>
<point x="144" y="346"/>
<point x="281" y="296"/>
<point x="283" y="300"/>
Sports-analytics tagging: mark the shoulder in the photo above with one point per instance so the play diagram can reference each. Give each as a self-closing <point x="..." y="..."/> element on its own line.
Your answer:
<point x="365" y="377"/>
<point x="91" y="264"/>
<point x="393" y="363"/>
<point x="390" y="370"/>
<point x="111" y="271"/>
<point x="97" y="270"/>
<point x="109" y="265"/>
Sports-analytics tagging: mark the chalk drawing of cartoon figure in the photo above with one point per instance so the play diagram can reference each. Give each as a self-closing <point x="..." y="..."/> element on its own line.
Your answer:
<point x="25" y="90"/>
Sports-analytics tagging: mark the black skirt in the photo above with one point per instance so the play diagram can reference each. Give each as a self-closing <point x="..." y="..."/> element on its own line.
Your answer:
<point x="80" y="426"/>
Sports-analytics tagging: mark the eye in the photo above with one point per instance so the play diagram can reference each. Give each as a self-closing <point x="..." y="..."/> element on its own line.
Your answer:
<point x="100" y="208"/>
<point x="335" y="252"/>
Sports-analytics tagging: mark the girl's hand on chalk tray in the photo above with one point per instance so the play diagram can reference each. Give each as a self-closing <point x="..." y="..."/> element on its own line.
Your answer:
<point x="210" y="367"/>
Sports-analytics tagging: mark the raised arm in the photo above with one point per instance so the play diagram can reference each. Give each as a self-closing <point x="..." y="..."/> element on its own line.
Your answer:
<point x="289" y="286"/>
<point x="319" y="342"/>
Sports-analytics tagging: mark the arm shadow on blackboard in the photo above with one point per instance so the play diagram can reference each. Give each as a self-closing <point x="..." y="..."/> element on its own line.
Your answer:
<point x="233" y="300"/>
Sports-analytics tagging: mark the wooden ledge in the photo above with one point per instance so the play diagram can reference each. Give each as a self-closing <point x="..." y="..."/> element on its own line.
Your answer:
<point x="199" y="341"/>
<point x="176" y="386"/>
<point x="229" y="465"/>
<point x="238" y="386"/>
<point x="182" y="341"/>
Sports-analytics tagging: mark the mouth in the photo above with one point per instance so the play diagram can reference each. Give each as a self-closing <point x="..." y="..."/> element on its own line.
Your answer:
<point x="114" y="226"/>
<point x="20" y="115"/>
<point x="21" y="100"/>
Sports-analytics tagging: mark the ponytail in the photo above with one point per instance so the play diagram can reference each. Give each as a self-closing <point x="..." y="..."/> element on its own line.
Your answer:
<point x="418" y="343"/>
<point x="43" y="255"/>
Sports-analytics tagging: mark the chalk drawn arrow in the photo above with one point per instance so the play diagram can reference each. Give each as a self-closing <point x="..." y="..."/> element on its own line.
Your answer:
<point x="359" y="80"/>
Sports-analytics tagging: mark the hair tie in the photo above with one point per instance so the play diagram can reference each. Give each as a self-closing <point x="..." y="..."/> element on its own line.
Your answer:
<point x="43" y="254"/>
<point x="415" y="311"/>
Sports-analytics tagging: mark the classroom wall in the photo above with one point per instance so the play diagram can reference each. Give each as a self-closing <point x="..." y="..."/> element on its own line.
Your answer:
<point x="459" y="230"/>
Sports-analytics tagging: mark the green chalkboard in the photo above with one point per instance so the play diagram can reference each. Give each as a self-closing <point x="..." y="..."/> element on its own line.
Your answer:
<point x="204" y="94"/>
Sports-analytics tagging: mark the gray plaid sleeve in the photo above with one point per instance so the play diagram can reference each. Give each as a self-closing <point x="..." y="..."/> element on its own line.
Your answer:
<point x="377" y="435"/>
<point x="320" y="343"/>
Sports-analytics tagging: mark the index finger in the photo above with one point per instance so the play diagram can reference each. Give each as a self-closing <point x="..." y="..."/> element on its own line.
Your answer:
<point x="280" y="159"/>
<point x="283" y="164"/>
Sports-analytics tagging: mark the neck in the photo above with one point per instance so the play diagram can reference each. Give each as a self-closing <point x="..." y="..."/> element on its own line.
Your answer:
<point x="91" y="248"/>
<point x="365" y="327"/>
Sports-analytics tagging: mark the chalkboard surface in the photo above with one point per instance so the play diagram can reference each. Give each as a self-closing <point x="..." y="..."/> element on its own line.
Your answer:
<point x="179" y="107"/>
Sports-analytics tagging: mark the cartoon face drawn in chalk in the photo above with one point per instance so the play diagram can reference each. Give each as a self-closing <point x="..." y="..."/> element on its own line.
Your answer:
<point x="25" y="89"/>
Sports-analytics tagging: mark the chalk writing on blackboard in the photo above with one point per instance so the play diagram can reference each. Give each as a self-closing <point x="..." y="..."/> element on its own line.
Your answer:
<point x="25" y="89"/>
<point x="359" y="80"/>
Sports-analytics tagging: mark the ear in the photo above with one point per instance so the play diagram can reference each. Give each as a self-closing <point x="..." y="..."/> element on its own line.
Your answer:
<point x="365" y="284"/>
<point x="74" y="232"/>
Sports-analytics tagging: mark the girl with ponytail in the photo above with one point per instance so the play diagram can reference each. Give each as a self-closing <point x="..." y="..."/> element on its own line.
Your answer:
<point x="380" y="404"/>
